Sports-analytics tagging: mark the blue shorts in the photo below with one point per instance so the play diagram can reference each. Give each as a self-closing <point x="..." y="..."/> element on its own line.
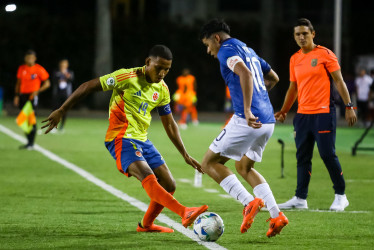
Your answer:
<point x="126" y="151"/>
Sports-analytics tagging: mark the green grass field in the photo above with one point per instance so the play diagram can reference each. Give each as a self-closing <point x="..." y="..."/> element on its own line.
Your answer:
<point x="44" y="205"/>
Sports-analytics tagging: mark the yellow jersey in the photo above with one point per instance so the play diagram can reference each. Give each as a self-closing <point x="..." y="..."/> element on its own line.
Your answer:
<point x="132" y="101"/>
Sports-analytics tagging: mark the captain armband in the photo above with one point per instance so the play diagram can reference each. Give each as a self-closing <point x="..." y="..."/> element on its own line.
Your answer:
<point x="164" y="110"/>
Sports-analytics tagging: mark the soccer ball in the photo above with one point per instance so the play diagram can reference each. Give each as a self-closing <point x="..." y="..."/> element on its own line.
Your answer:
<point x="208" y="226"/>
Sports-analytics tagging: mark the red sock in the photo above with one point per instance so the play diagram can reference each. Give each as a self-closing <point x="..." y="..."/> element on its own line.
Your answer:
<point x="158" y="194"/>
<point x="154" y="209"/>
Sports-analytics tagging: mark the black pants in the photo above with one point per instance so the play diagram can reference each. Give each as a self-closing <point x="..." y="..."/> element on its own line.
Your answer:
<point x="23" y="98"/>
<point x="320" y="128"/>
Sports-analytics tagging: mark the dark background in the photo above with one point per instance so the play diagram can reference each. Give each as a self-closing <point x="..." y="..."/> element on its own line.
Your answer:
<point x="66" y="28"/>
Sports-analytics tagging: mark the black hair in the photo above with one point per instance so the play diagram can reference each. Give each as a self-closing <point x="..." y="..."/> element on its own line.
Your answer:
<point x="213" y="26"/>
<point x="30" y="52"/>
<point x="161" y="51"/>
<point x="304" y="22"/>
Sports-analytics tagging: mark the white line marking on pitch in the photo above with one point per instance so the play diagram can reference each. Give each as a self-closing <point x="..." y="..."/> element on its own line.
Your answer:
<point x="118" y="193"/>
<point x="185" y="180"/>
<point x="225" y="196"/>
<point x="361" y="181"/>
<point x="326" y="211"/>
<point x="211" y="190"/>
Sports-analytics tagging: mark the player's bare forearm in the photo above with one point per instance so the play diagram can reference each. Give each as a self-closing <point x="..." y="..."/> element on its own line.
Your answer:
<point x="341" y="86"/>
<point x="271" y="79"/>
<point x="172" y="131"/>
<point x="83" y="90"/>
<point x="350" y="115"/>
<point x="246" y="83"/>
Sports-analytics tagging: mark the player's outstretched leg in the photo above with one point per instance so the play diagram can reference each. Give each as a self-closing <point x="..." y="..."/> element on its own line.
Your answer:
<point x="166" y="180"/>
<point x="146" y="225"/>
<point x="262" y="190"/>
<point x="157" y="193"/>
<point x="142" y="171"/>
<point x="213" y="166"/>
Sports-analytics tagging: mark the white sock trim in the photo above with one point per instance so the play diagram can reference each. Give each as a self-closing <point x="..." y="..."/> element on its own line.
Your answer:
<point x="235" y="188"/>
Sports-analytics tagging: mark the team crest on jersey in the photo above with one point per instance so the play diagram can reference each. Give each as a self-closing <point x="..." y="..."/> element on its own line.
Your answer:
<point x="138" y="154"/>
<point x="110" y="81"/>
<point x="33" y="76"/>
<point x="314" y="62"/>
<point x="155" y="96"/>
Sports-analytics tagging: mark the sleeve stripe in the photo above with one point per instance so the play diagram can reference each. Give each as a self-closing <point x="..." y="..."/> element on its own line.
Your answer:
<point x="126" y="74"/>
<point x="125" y="77"/>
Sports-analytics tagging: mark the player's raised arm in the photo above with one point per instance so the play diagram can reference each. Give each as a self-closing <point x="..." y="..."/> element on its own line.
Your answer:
<point x="172" y="131"/>
<point x="83" y="90"/>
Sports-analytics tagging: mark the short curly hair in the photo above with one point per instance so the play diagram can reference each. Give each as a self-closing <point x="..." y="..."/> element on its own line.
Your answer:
<point x="161" y="51"/>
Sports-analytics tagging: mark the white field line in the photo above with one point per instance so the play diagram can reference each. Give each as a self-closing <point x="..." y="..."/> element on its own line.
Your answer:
<point x="183" y="180"/>
<point x="325" y="211"/>
<point x="360" y="180"/>
<point x="211" y="190"/>
<point x="227" y="196"/>
<point x="134" y="202"/>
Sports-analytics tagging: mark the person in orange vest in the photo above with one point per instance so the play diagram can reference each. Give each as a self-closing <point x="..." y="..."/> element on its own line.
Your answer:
<point x="185" y="98"/>
<point x="32" y="79"/>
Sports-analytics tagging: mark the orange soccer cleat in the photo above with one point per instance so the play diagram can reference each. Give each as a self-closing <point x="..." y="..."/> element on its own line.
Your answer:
<point x="154" y="229"/>
<point x="249" y="213"/>
<point x="276" y="225"/>
<point x="191" y="213"/>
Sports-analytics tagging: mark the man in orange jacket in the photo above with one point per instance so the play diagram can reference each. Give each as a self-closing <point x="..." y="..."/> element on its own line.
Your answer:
<point x="31" y="80"/>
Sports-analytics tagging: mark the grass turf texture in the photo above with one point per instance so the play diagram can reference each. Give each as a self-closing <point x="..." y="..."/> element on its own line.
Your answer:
<point x="44" y="205"/>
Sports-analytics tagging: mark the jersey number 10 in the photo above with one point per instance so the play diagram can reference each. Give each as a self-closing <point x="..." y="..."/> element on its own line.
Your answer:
<point x="255" y="67"/>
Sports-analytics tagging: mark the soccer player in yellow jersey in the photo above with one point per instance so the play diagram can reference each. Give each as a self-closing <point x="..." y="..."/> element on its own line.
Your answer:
<point x="136" y="92"/>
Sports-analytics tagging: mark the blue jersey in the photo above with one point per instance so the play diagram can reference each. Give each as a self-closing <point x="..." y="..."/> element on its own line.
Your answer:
<point x="233" y="51"/>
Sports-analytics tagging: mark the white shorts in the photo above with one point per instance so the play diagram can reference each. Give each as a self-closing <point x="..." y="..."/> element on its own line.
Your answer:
<point x="238" y="139"/>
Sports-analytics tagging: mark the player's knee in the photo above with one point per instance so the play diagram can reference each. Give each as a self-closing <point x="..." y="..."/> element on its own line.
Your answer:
<point x="243" y="169"/>
<point x="139" y="170"/>
<point x="172" y="187"/>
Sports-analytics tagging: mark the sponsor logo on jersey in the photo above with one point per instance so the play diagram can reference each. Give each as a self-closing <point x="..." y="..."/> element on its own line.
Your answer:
<point x="110" y="81"/>
<point x="314" y="62"/>
<point x="155" y="96"/>
<point x="139" y="93"/>
<point x="138" y="154"/>
<point x="232" y="62"/>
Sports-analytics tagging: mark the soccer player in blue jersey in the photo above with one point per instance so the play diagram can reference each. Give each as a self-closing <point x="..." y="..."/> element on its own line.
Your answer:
<point x="249" y="78"/>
